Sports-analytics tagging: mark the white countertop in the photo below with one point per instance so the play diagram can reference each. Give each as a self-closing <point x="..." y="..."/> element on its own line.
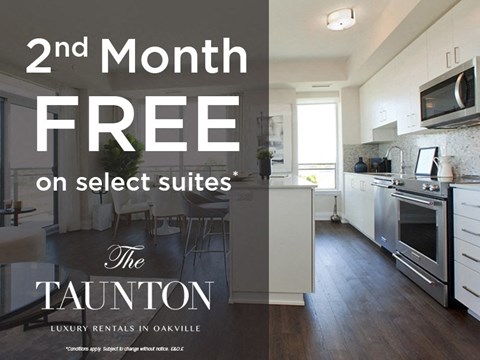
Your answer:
<point x="474" y="187"/>
<point x="289" y="182"/>
<point x="372" y="174"/>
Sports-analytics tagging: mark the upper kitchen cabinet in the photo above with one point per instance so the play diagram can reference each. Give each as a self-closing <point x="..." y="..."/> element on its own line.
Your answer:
<point x="366" y="105"/>
<point x="377" y="107"/>
<point x="453" y="39"/>
<point x="411" y="61"/>
<point x="466" y="31"/>
<point x="440" y="46"/>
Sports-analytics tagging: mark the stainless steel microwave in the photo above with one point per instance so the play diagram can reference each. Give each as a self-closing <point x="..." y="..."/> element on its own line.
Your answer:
<point x="452" y="100"/>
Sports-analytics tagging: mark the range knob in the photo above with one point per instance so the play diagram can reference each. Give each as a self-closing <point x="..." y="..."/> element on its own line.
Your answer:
<point x="397" y="182"/>
<point x="434" y="187"/>
<point x="425" y="186"/>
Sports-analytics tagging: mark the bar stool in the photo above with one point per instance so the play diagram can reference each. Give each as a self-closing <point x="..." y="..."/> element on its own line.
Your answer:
<point x="199" y="208"/>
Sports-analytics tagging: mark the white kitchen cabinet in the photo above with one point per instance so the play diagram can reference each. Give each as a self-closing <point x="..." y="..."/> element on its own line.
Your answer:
<point x="466" y="32"/>
<point x="440" y="46"/>
<point x="366" y="105"/>
<point x="378" y="106"/>
<point x="467" y="204"/>
<point x="453" y="39"/>
<point x="412" y="61"/>
<point x="467" y="246"/>
<point x="383" y="111"/>
<point x="359" y="203"/>
<point x="390" y="101"/>
<point x="377" y="111"/>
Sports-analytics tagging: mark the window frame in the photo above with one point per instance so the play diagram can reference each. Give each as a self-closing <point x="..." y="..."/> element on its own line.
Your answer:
<point x="321" y="101"/>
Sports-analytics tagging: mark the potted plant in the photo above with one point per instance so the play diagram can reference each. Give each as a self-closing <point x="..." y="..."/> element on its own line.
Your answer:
<point x="264" y="157"/>
<point x="119" y="162"/>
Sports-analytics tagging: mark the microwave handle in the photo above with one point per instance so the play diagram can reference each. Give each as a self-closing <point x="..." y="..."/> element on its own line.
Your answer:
<point x="458" y="92"/>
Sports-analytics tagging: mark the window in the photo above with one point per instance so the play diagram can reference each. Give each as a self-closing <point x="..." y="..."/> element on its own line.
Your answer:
<point x="27" y="165"/>
<point x="317" y="144"/>
<point x="176" y="163"/>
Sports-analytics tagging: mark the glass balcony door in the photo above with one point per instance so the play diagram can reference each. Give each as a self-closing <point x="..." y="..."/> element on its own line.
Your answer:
<point x="27" y="165"/>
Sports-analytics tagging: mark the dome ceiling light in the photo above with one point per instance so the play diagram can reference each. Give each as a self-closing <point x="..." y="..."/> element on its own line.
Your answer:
<point x="341" y="19"/>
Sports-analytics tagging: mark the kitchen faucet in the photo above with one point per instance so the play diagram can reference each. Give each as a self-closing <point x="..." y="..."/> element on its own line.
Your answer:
<point x="402" y="163"/>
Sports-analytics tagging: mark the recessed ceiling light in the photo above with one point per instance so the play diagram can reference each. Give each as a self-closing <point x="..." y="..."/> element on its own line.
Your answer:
<point x="321" y="85"/>
<point x="341" y="19"/>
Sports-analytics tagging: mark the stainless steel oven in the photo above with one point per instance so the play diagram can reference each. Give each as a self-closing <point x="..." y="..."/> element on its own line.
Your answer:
<point x="422" y="232"/>
<point x="422" y="249"/>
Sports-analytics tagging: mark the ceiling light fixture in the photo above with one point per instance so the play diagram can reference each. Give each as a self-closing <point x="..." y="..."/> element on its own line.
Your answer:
<point x="341" y="19"/>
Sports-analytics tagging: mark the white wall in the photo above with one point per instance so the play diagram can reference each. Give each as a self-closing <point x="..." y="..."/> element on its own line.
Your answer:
<point x="350" y="115"/>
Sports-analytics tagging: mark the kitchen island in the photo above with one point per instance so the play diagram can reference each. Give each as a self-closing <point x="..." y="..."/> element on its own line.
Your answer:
<point x="272" y="241"/>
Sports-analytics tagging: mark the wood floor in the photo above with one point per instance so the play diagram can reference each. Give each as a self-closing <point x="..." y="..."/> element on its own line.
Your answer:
<point x="362" y="308"/>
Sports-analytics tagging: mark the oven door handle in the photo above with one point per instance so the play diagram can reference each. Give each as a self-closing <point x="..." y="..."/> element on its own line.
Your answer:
<point x="382" y="186"/>
<point x="430" y="282"/>
<point x="414" y="200"/>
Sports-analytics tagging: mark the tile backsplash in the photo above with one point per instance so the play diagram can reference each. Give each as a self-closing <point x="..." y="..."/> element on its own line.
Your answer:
<point x="463" y="144"/>
<point x="351" y="153"/>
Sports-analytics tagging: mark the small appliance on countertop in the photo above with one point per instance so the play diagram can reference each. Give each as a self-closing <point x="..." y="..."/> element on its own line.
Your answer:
<point x="385" y="165"/>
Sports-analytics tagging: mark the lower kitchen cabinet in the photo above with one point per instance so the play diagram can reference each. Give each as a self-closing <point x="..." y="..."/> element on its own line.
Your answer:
<point x="466" y="231"/>
<point x="359" y="203"/>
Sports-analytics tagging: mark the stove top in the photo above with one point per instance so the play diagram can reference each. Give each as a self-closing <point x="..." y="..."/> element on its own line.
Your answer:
<point x="432" y="186"/>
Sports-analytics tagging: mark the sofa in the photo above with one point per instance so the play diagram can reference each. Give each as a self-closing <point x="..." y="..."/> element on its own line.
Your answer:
<point x="22" y="243"/>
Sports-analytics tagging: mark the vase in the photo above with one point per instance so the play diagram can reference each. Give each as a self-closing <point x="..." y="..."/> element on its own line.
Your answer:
<point x="360" y="166"/>
<point x="265" y="168"/>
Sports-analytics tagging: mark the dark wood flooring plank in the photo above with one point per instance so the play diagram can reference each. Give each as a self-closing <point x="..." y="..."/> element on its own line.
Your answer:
<point x="362" y="308"/>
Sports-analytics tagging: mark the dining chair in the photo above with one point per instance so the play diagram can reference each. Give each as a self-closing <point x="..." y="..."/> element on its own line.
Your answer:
<point x="123" y="205"/>
<point x="165" y="205"/>
<point x="214" y="196"/>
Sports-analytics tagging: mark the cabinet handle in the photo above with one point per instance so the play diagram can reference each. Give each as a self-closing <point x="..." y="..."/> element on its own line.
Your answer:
<point x="470" y="258"/>
<point x="447" y="59"/>
<point x="470" y="232"/>
<point x="471" y="291"/>
<point x="471" y="205"/>
<point x="456" y="55"/>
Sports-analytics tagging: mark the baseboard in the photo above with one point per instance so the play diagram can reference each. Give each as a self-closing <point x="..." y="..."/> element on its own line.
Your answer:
<point x="240" y="297"/>
<point x="322" y="216"/>
<point x="475" y="315"/>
